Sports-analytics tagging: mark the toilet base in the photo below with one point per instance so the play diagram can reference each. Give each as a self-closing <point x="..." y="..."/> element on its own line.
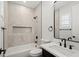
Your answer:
<point x="36" y="52"/>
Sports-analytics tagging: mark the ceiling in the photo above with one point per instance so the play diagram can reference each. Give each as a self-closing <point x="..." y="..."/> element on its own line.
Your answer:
<point x="29" y="4"/>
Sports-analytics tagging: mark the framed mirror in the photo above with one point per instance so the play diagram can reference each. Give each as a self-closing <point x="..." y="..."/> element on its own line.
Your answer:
<point x="66" y="20"/>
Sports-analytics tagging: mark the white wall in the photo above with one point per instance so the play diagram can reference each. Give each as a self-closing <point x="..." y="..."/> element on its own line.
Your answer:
<point x="1" y="8"/>
<point x="6" y="24"/>
<point x="47" y="20"/>
<point x="56" y="23"/>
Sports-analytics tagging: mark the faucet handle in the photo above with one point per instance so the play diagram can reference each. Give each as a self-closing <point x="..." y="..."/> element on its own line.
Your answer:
<point x="70" y="46"/>
<point x="60" y="43"/>
<point x="69" y="38"/>
<point x="73" y="36"/>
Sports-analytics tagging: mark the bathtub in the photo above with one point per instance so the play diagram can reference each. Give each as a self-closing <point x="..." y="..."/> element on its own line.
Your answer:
<point x="20" y="51"/>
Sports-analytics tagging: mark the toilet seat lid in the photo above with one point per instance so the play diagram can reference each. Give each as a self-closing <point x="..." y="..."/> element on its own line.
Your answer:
<point x="36" y="51"/>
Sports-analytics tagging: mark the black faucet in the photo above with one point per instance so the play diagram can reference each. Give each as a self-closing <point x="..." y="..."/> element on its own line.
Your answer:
<point x="69" y="38"/>
<point x="64" y="42"/>
<point x="70" y="46"/>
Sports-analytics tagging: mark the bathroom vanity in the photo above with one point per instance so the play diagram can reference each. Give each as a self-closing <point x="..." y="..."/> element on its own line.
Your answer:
<point x="45" y="53"/>
<point x="54" y="50"/>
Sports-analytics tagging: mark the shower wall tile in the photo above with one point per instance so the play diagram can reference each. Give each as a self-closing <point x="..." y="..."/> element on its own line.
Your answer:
<point x="20" y="16"/>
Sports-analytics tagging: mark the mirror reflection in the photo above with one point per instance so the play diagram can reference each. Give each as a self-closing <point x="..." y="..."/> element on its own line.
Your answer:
<point x="66" y="18"/>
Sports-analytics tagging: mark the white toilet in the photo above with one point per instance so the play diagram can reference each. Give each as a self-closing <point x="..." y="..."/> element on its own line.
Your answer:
<point x="44" y="41"/>
<point x="37" y="52"/>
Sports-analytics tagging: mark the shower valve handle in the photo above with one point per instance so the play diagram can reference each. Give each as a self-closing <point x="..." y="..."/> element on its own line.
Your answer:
<point x="2" y="51"/>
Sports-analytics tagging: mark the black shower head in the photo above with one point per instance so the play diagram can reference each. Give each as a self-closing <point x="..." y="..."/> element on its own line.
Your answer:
<point x="35" y="17"/>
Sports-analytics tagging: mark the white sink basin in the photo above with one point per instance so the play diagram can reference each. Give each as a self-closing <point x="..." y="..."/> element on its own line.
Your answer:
<point x="62" y="50"/>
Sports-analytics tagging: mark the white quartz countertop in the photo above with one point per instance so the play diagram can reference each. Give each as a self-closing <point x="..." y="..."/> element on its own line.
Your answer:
<point x="59" y="51"/>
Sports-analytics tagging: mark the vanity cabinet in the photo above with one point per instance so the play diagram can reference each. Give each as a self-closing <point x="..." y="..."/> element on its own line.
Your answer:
<point x="46" y="53"/>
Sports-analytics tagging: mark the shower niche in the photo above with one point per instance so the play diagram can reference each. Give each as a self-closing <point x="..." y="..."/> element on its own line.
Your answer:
<point x="21" y="29"/>
<point x="22" y="35"/>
